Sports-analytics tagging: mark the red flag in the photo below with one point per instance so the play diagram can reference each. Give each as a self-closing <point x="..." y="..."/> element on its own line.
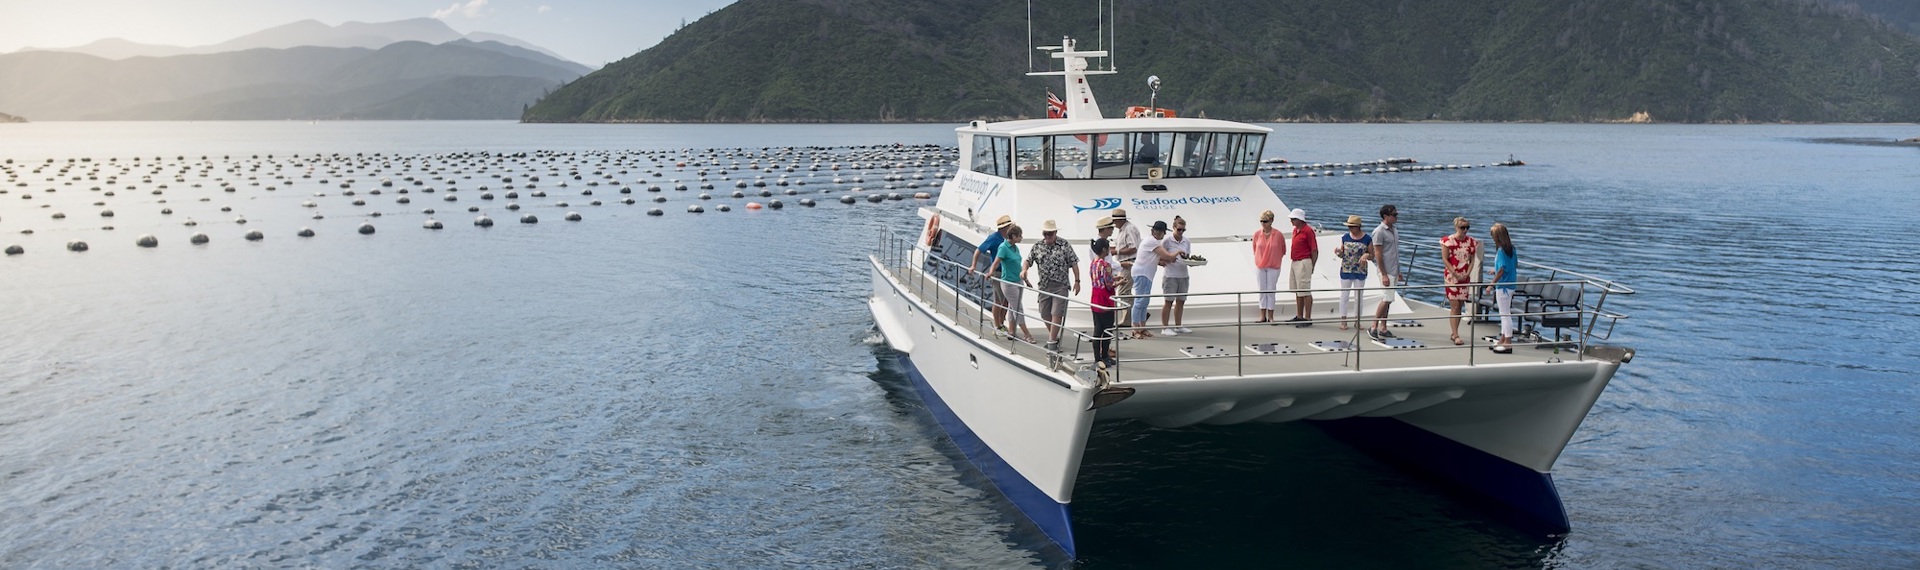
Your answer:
<point x="1056" y="109"/>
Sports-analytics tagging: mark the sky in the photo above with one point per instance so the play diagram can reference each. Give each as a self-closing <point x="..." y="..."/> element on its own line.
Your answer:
<point x="593" y="32"/>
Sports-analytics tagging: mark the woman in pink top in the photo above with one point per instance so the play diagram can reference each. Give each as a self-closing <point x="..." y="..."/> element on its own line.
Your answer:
<point x="1460" y="255"/>
<point x="1269" y="251"/>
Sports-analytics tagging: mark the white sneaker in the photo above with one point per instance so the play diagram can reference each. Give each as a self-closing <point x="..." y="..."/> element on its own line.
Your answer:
<point x="1170" y="332"/>
<point x="1184" y="330"/>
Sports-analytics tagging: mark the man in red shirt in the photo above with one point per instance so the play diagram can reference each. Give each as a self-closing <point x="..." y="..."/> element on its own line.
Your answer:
<point x="1304" y="252"/>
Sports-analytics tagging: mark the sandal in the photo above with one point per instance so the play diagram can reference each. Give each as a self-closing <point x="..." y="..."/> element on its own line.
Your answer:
<point x="1457" y="341"/>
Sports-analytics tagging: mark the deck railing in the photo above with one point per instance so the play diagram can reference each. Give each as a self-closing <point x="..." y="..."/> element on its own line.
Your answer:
<point x="908" y="260"/>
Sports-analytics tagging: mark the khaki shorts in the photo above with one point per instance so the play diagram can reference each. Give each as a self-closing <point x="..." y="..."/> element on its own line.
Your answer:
<point x="1300" y="277"/>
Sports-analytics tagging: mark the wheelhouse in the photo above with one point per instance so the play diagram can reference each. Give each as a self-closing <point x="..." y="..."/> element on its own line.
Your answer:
<point x="1114" y="149"/>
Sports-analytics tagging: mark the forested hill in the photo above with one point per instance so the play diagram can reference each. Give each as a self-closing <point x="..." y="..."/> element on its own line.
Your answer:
<point x="1348" y="60"/>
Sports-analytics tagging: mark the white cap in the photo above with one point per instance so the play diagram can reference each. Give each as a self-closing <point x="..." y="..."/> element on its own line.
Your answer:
<point x="1297" y="214"/>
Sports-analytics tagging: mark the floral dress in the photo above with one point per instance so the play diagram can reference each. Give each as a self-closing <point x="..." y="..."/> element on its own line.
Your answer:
<point x="1460" y="256"/>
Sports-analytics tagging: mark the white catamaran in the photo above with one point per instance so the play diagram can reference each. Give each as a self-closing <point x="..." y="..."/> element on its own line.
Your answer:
<point x="1488" y="423"/>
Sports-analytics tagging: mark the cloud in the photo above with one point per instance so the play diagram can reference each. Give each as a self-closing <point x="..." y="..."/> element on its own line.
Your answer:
<point x="545" y="8"/>
<point x="470" y="9"/>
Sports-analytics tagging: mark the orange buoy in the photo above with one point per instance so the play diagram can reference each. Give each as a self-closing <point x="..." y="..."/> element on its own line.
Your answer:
<point x="933" y="230"/>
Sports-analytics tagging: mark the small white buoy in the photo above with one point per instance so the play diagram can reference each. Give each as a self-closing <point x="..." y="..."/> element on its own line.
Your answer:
<point x="529" y="219"/>
<point x="15" y="249"/>
<point x="146" y="240"/>
<point x="197" y="238"/>
<point x="573" y="216"/>
<point x="76" y="245"/>
<point x="483" y="221"/>
<point x="431" y="224"/>
<point x="308" y="232"/>
<point x="255" y="235"/>
<point x="366" y="228"/>
<point x="724" y="208"/>
<point x="650" y="212"/>
<point x="695" y="209"/>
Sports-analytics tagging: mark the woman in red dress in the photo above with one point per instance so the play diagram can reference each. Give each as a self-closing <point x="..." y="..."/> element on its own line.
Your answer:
<point x="1460" y="255"/>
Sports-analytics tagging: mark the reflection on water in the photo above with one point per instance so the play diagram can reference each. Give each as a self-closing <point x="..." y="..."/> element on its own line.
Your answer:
<point x="699" y="390"/>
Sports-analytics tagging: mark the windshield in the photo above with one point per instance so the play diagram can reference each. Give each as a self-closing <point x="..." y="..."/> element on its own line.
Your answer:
<point x="1132" y="155"/>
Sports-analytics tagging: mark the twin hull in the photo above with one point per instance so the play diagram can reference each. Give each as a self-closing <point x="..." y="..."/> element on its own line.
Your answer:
<point x="1495" y="430"/>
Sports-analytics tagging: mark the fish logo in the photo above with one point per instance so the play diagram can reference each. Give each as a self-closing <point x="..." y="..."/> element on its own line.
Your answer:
<point x="1099" y="204"/>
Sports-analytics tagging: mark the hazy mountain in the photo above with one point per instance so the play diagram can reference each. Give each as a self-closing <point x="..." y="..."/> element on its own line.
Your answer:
<point x="1501" y="60"/>
<point x="116" y="48"/>
<point x="5" y="118"/>
<point x="1901" y="14"/>
<point x="407" y="80"/>
<point x="310" y="33"/>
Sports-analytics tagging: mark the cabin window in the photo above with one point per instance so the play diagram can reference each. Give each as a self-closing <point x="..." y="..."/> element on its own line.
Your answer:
<point x="1246" y="157"/>
<point x="1031" y="158"/>
<point x="992" y="156"/>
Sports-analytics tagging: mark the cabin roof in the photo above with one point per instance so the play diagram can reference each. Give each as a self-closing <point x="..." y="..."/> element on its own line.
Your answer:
<point x="1038" y="127"/>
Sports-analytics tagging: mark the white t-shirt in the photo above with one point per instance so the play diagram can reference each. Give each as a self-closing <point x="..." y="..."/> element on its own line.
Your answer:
<point x="1147" y="263"/>
<point x="1177" y="269"/>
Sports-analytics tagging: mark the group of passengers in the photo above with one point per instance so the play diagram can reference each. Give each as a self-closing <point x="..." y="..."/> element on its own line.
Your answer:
<point x="1122" y="262"/>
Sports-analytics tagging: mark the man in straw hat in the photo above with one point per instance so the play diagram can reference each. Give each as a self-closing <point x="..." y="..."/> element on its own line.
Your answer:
<point x="1125" y="246"/>
<point x="1056" y="260"/>
<point x="990" y="248"/>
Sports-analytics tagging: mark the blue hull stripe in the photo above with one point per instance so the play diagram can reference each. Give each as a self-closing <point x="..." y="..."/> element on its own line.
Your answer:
<point x="1519" y="491"/>
<point x="1051" y="516"/>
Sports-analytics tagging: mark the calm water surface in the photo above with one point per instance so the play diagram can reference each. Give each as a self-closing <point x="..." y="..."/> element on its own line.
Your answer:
<point x="707" y="391"/>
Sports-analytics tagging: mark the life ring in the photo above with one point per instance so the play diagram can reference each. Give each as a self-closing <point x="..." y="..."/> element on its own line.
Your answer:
<point x="933" y="230"/>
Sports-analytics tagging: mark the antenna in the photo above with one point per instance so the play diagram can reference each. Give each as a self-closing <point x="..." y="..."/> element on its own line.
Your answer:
<point x="1029" y="36"/>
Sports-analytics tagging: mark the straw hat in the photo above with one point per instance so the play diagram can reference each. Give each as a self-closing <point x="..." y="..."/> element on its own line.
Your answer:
<point x="1104" y="223"/>
<point x="1119" y="214"/>
<point x="1003" y="222"/>
<point x="1049" y="226"/>
<point x="1353" y="221"/>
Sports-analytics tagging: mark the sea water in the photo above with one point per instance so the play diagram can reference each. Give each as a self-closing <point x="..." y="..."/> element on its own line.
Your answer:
<point x="708" y="390"/>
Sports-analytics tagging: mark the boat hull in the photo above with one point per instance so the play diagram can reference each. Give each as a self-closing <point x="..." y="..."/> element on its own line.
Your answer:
<point x="1024" y="427"/>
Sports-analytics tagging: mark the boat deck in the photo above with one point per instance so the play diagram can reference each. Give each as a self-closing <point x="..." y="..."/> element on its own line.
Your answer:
<point x="1226" y="342"/>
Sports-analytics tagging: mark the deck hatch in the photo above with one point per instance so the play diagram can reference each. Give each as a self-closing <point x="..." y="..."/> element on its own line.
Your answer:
<point x="1332" y="345"/>
<point x="1399" y="343"/>
<point x="1271" y="348"/>
<point x="1205" y="352"/>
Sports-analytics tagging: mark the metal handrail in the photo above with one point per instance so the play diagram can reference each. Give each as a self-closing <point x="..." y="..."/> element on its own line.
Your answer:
<point x="905" y="257"/>
<point x="900" y="255"/>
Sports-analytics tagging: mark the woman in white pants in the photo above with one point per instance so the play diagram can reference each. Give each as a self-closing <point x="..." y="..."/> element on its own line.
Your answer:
<point x="1269" y="251"/>
<point x="1506" y="270"/>
<point x="1356" y="251"/>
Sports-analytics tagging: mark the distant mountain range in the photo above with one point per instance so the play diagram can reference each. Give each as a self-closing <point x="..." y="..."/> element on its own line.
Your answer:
<point x="306" y="33"/>
<point x="1265" y="60"/>
<point x="5" y="118"/>
<point x="304" y="70"/>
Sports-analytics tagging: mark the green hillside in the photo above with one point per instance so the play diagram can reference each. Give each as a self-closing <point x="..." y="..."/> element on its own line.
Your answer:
<point x="1500" y="60"/>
